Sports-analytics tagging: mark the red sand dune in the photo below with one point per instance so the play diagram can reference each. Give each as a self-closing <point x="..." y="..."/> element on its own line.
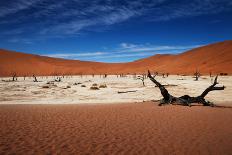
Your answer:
<point x="215" y="58"/>
<point x="142" y="128"/>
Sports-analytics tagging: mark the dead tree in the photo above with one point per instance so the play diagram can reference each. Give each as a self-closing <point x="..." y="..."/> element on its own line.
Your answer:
<point x="35" y="79"/>
<point x="163" y="75"/>
<point x="186" y="99"/>
<point x="58" y="79"/>
<point x="197" y="75"/>
<point x="142" y="78"/>
<point x="14" y="77"/>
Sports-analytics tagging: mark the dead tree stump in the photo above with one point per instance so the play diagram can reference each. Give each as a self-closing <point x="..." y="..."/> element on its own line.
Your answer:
<point x="186" y="99"/>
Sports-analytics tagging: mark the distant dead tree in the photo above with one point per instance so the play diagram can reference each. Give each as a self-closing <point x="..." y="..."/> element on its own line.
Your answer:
<point x="197" y="75"/>
<point x="163" y="75"/>
<point x="186" y="99"/>
<point x="58" y="79"/>
<point x="35" y="79"/>
<point x="142" y="78"/>
<point x="14" y="77"/>
<point x="167" y="74"/>
<point x="210" y="74"/>
<point x="223" y="74"/>
<point x="24" y="77"/>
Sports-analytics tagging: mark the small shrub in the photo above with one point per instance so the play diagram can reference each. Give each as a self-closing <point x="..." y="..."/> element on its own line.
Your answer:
<point x="94" y="88"/>
<point x="94" y="85"/>
<point x="77" y="83"/>
<point x="50" y="82"/>
<point x="223" y="74"/>
<point x="83" y="85"/>
<point x="45" y="86"/>
<point x="103" y="86"/>
<point x="68" y="87"/>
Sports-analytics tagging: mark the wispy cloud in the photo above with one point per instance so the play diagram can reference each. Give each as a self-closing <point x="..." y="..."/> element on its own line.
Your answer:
<point x="17" y="5"/>
<point x="54" y="18"/>
<point x="21" y="41"/>
<point x="125" y="50"/>
<point x="76" y="55"/>
<point x="128" y="47"/>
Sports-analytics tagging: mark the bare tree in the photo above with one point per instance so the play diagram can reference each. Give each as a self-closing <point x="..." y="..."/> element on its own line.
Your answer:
<point x="197" y="75"/>
<point x="35" y="79"/>
<point x="58" y="79"/>
<point x="186" y="99"/>
<point x="142" y="78"/>
<point x="163" y="75"/>
<point x="14" y="77"/>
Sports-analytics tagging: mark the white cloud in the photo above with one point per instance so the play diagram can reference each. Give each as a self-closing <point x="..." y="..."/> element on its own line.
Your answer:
<point x="126" y="50"/>
<point x="54" y="18"/>
<point x="16" y="6"/>
<point x="21" y="40"/>
<point x="128" y="47"/>
<point x="75" y="55"/>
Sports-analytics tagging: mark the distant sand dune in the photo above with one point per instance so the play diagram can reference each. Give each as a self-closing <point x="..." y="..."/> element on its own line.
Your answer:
<point x="215" y="58"/>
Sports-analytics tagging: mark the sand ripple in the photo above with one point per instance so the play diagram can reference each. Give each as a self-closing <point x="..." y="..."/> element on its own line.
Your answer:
<point x="141" y="128"/>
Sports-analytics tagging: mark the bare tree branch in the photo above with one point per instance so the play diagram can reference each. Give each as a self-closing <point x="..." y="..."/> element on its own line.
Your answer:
<point x="186" y="99"/>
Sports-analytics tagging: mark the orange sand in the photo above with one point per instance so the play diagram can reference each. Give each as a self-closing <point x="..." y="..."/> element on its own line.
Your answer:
<point x="139" y="128"/>
<point x="215" y="58"/>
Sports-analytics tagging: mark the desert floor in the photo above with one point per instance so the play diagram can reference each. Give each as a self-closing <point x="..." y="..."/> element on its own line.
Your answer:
<point x="41" y="118"/>
<point x="135" y="128"/>
<point x="29" y="92"/>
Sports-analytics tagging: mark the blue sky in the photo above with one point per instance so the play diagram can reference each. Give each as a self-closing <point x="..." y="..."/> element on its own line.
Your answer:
<point x="112" y="30"/>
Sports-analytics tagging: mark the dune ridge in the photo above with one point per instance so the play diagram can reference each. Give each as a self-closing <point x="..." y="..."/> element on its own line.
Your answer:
<point x="215" y="58"/>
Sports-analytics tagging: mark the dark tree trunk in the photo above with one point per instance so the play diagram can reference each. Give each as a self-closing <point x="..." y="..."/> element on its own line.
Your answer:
<point x="142" y="78"/>
<point x="186" y="99"/>
<point x="197" y="75"/>
<point x="14" y="78"/>
<point x="35" y="79"/>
